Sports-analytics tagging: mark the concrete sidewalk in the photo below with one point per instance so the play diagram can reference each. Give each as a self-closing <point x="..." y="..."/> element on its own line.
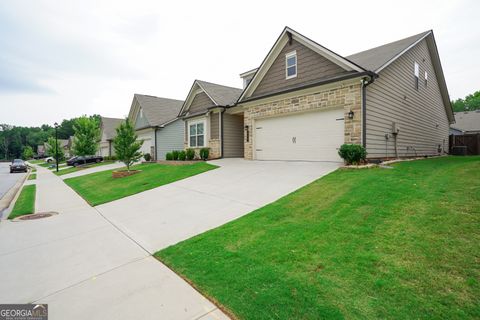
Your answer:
<point x="84" y="267"/>
<point x="83" y="172"/>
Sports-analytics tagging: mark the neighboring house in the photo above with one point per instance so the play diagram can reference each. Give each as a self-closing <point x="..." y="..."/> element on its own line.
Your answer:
<point x="63" y="143"/>
<point x="206" y="123"/>
<point x="466" y="122"/>
<point x="41" y="152"/>
<point x="108" y="132"/>
<point x="156" y="122"/>
<point x="305" y="100"/>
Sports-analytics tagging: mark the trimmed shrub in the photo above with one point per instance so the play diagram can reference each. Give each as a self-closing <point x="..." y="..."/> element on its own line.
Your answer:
<point x="182" y="155"/>
<point x="175" y="154"/>
<point x="147" y="156"/>
<point x="190" y="154"/>
<point x="352" y="153"/>
<point x="204" y="153"/>
<point x="169" y="156"/>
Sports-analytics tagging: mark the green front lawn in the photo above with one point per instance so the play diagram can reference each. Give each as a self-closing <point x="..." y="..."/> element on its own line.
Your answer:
<point x="75" y="169"/>
<point x="36" y="161"/>
<point x="25" y="203"/>
<point x="100" y="187"/>
<point x="398" y="243"/>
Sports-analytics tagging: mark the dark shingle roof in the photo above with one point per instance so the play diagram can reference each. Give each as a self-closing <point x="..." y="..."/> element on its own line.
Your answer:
<point x="158" y="111"/>
<point x="373" y="59"/>
<point x="222" y="95"/>
<point x="109" y="125"/>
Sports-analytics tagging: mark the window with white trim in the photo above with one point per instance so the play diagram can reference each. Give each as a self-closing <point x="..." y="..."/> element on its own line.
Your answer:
<point x="196" y="134"/>
<point x="426" y="79"/>
<point x="291" y="65"/>
<point x="417" y="74"/>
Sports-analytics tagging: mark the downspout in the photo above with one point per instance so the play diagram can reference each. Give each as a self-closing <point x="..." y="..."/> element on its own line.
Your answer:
<point x="365" y="84"/>
<point x="155" y="156"/>
<point x="221" y="132"/>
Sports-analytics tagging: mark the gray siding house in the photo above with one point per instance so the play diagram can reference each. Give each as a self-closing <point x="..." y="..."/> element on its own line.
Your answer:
<point x="157" y="124"/>
<point x="466" y="122"/>
<point x="305" y="100"/>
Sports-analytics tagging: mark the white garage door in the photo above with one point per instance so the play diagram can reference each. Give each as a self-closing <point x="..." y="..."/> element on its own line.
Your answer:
<point x="311" y="136"/>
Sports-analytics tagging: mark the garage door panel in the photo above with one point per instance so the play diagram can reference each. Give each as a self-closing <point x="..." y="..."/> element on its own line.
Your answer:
<point x="313" y="136"/>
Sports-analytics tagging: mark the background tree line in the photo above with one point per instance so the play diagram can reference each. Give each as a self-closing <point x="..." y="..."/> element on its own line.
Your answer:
<point x="470" y="103"/>
<point x="17" y="141"/>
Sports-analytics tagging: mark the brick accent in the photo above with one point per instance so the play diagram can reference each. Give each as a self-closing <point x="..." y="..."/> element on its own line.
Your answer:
<point x="348" y="97"/>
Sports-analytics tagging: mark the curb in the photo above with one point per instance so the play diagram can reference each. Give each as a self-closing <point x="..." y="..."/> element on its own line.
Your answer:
<point x="6" y="201"/>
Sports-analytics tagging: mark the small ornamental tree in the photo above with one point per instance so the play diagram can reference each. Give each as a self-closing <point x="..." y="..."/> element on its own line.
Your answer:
<point x="126" y="145"/>
<point x="27" y="153"/>
<point x="51" y="149"/>
<point x="86" y="137"/>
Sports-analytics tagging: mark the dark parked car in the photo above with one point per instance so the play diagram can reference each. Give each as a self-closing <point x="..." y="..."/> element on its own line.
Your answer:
<point x="79" y="160"/>
<point x="18" y="165"/>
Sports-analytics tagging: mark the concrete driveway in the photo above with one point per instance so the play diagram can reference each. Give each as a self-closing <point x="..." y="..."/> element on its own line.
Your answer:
<point x="96" y="263"/>
<point x="167" y="215"/>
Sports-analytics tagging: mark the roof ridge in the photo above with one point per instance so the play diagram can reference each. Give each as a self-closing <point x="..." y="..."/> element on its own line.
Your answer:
<point x="216" y="84"/>
<point x="418" y="35"/>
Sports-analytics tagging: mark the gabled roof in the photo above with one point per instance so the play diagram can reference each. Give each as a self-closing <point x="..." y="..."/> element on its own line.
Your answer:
<point x="109" y="126"/>
<point x="284" y="37"/>
<point x="221" y="96"/>
<point x="158" y="111"/>
<point x="373" y="60"/>
<point x="467" y="121"/>
<point x="377" y="58"/>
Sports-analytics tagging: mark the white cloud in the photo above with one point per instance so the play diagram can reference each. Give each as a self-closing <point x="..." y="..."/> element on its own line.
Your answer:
<point x="86" y="57"/>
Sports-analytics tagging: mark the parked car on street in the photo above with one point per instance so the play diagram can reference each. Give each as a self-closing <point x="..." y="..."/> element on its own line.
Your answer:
<point x="18" y="165"/>
<point x="79" y="160"/>
<point x="49" y="159"/>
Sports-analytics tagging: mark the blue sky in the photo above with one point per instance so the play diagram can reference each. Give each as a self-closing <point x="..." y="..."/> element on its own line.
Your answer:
<point x="61" y="59"/>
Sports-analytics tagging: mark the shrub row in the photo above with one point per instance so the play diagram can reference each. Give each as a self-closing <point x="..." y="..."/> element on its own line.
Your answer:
<point x="188" y="154"/>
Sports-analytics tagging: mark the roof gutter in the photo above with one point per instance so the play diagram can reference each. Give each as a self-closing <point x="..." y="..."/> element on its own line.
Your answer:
<point x="314" y="84"/>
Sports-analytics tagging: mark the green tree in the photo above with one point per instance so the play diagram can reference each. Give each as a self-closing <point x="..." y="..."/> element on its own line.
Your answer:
<point x="127" y="147"/>
<point x="470" y="103"/>
<point x="27" y="152"/>
<point x="54" y="146"/>
<point x="87" y="136"/>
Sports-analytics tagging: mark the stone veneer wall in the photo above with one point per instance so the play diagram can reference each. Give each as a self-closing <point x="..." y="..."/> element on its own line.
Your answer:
<point x="348" y="96"/>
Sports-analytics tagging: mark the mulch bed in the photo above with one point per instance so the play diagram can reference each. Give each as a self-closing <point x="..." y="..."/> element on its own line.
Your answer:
<point x="124" y="173"/>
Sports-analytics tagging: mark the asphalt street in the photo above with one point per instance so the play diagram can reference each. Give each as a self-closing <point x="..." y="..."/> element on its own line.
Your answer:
<point x="7" y="179"/>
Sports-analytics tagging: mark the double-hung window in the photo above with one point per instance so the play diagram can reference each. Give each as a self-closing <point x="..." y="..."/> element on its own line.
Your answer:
<point x="196" y="134"/>
<point x="426" y="79"/>
<point x="291" y="65"/>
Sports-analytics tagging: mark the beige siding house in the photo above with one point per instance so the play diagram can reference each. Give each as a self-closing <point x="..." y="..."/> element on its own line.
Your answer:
<point x="206" y="123"/>
<point x="108" y="132"/>
<point x="305" y="100"/>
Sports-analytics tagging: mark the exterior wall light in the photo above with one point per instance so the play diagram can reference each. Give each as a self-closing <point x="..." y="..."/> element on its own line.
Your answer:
<point x="350" y="114"/>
